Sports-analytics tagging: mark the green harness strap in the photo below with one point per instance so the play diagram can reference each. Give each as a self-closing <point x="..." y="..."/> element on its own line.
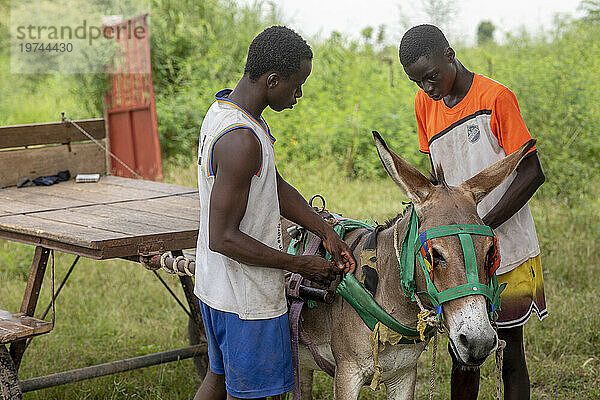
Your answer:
<point x="407" y="257"/>
<point x="344" y="225"/>
<point x="360" y="299"/>
<point x="412" y="244"/>
<point x="371" y="312"/>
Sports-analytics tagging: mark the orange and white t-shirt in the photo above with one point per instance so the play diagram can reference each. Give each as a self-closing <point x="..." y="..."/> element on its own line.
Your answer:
<point x="484" y="127"/>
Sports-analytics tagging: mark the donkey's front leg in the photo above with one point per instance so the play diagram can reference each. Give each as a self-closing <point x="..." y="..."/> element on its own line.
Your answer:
<point x="348" y="380"/>
<point x="401" y="386"/>
<point x="306" y="382"/>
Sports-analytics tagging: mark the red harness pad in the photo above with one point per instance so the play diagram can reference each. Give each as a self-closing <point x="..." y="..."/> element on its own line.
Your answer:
<point x="494" y="260"/>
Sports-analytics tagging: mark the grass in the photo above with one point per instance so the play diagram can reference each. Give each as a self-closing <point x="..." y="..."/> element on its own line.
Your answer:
<point x="116" y="309"/>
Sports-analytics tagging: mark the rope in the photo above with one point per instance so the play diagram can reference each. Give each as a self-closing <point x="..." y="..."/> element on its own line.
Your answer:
<point x="163" y="262"/>
<point x="499" y="363"/>
<point x="432" y="379"/>
<point x="176" y="267"/>
<point x="424" y="318"/>
<point x="54" y="295"/>
<point x="80" y="129"/>
<point x="429" y="317"/>
<point x="186" y="267"/>
<point x="396" y="241"/>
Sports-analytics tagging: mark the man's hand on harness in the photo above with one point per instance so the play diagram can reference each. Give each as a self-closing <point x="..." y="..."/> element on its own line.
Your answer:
<point x="316" y="269"/>
<point x="296" y="209"/>
<point x="341" y="253"/>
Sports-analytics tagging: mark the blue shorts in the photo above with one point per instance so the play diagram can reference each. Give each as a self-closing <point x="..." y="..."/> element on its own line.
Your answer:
<point x="254" y="355"/>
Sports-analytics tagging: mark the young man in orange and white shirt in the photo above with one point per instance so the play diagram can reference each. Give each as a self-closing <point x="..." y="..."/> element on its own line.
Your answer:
<point x="465" y="123"/>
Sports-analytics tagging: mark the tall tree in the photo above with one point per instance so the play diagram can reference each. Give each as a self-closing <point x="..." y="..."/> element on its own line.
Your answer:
<point x="485" y="32"/>
<point x="441" y="13"/>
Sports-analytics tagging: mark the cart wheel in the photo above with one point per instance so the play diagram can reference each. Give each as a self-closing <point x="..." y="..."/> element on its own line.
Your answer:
<point x="196" y="337"/>
<point x="9" y="383"/>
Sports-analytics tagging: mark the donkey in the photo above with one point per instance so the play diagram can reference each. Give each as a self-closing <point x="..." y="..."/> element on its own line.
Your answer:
<point x="338" y="333"/>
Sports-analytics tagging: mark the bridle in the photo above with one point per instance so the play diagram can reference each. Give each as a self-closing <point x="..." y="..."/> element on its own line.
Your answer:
<point x="417" y="246"/>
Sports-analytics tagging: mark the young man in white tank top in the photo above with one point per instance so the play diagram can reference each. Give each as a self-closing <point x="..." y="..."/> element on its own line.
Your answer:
<point x="240" y="263"/>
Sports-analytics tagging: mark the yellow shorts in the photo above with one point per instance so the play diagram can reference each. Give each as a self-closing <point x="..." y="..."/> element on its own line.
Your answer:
<point x="524" y="293"/>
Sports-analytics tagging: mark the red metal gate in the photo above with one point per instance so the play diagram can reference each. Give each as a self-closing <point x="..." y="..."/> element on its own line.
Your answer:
<point x="129" y="103"/>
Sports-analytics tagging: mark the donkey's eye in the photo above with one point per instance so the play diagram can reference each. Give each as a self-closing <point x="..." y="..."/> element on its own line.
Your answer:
<point x="437" y="257"/>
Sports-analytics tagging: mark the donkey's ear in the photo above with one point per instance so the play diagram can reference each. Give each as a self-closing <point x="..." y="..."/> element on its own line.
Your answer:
<point x="488" y="179"/>
<point x="411" y="181"/>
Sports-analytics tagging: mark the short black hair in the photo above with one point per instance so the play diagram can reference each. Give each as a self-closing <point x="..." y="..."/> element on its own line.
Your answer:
<point x="279" y="49"/>
<point x="421" y="40"/>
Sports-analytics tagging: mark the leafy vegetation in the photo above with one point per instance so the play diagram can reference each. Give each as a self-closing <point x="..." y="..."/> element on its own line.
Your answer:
<point x="355" y="87"/>
<point x="359" y="86"/>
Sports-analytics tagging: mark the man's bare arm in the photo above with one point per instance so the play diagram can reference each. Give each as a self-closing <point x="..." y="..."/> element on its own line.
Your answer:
<point x="236" y="158"/>
<point x="529" y="178"/>
<point x="295" y="208"/>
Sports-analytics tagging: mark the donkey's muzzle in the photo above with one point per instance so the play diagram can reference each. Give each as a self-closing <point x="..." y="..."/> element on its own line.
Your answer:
<point x="474" y="350"/>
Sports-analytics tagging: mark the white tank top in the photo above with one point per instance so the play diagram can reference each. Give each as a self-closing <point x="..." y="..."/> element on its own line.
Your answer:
<point x="224" y="284"/>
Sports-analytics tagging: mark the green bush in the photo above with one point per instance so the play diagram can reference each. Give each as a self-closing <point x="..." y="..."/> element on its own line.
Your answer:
<point x="557" y="91"/>
<point x="357" y="87"/>
<point x="199" y="48"/>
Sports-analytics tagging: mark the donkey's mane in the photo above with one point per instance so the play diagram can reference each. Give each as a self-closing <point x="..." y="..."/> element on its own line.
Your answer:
<point x="437" y="178"/>
<point x="390" y="222"/>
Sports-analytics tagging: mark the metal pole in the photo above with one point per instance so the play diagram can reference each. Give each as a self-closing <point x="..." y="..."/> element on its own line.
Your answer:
<point x="114" y="367"/>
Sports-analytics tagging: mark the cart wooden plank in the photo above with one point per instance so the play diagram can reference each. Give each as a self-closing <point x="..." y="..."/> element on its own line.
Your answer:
<point x="182" y="201"/>
<point x="11" y="208"/>
<point x="117" y="217"/>
<point x="89" y="193"/>
<point x="167" y="188"/>
<point x="127" y="247"/>
<point x="63" y="232"/>
<point x="18" y="326"/>
<point x="127" y="188"/>
<point x="126" y="226"/>
<point x="155" y="244"/>
<point x="79" y="158"/>
<point x="34" y="200"/>
<point x="50" y="133"/>
<point x="142" y="214"/>
<point x="84" y="196"/>
<point x="159" y="208"/>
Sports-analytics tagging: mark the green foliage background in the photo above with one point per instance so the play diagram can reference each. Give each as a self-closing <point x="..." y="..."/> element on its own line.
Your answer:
<point x="199" y="48"/>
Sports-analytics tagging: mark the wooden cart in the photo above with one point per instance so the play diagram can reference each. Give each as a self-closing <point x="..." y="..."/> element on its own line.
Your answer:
<point x="113" y="218"/>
